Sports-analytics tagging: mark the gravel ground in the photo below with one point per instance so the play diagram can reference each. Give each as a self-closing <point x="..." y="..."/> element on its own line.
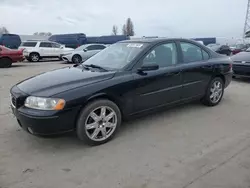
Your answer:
<point x="187" y="146"/>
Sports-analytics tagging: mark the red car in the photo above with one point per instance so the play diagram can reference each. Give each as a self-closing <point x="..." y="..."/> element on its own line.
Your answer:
<point x="240" y="48"/>
<point x="9" y="56"/>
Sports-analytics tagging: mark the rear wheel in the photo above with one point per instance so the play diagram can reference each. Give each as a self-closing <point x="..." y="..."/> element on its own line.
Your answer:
<point x="98" y="122"/>
<point x="5" y="62"/>
<point x="34" y="57"/>
<point x="76" y="59"/>
<point x="214" y="92"/>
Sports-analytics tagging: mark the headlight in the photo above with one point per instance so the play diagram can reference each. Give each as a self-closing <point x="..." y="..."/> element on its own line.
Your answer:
<point x="44" y="103"/>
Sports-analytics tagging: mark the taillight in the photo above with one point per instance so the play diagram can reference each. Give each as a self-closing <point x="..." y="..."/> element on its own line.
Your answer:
<point x="231" y="66"/>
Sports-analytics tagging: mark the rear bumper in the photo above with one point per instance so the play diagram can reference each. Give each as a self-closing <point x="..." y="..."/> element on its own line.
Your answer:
<point x="18" y="59"/>
<point x="228" y="78"/>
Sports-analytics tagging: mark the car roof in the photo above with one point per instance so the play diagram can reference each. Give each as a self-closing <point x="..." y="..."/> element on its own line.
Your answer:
<point x="155" y="40"/>
<point x="39" y="41"/>
<point x="95" y="44"/>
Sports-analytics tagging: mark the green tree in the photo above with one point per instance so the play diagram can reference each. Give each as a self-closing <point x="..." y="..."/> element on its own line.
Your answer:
<point x="130" y="27"/>
<point x="114" y="30"/>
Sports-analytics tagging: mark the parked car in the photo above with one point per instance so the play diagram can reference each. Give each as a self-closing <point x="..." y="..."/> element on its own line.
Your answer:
<point x="221" y="49"/>
<point x="82" y="53"/>
<point x="108" y="39"/>
<point x="70" y="40"/>
<point x="125" y="79"/>
<point x="241" y="64"/>
<point x="239" y="48"/>
<point x="9" y="56"/>
<point x="11" y="41"/>
<point x="36" y="50"/>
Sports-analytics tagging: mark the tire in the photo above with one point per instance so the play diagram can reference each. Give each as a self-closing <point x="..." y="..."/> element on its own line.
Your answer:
<point x="102" y="123"/>
<point x="34" y="57"/>
<point x="217" y="96"/>
<point x="76" y="59"/>
<point x="5" y="62"/>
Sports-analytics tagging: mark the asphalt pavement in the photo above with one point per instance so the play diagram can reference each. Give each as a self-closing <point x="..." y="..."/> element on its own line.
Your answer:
<point x="189" y="146"/>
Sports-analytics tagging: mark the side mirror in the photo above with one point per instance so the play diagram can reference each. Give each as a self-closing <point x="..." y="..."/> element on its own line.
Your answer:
<point x="61" y="47"/>
<point x="85" y="50"/>
<point x="148" y="67"/>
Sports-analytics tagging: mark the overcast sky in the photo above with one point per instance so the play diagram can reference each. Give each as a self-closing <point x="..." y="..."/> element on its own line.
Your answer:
<point x="174" y="18"/>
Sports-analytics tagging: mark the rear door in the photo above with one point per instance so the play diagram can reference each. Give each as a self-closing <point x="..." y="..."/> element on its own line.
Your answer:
<point x="196" y="69"/>
<point x="45" y="49"/>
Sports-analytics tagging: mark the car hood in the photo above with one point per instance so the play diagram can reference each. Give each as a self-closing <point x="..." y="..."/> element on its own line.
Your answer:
<point x="60" y="80"/>
<point x="242" y="56"/>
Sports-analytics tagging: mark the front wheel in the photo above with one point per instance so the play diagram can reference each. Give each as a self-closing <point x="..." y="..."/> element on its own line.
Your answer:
<point x="214" y="92"/>
<point x="98" y="122"/>
<point x="76" y="59"/>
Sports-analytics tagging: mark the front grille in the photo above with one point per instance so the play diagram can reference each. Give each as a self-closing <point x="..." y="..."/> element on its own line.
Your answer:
<point x="13" y="101"/>
<point x="17" y="102"/>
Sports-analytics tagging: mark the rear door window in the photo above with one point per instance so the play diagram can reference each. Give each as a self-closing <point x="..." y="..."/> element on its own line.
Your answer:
<point x="191" y="52"/>
<point x="28" y="44"/>
<point x="55" y="45"/>
<point x="46" y="44"/>
<point x="95" y="47"/>
<point x="205" y="55"/>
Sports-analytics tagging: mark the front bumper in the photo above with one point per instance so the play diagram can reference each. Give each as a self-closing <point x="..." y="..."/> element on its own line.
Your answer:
<point x="67" y="58"/>
<point x="241" y="70"/>
<point x="41" y="122"/>
<point x="46" y="124"/>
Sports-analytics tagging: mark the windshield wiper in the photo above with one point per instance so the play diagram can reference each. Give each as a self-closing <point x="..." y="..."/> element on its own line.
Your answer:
<point x="83" y="66"/>
<point x="96" y="66"/>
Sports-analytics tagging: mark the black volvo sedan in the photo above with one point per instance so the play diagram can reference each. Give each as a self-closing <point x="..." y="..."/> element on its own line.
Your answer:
<point x="125" y="79"/>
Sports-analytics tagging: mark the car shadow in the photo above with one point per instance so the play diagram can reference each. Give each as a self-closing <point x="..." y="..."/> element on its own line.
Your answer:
<point x="66" y="63"/>
<point x="18" y="65"/>
<point x="242" y="80"/>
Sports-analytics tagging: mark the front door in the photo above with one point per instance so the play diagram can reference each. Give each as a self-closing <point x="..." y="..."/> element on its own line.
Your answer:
<point x="196" y="70"/>
<point x="57" y="50"/>
<point x="158" y="87"/>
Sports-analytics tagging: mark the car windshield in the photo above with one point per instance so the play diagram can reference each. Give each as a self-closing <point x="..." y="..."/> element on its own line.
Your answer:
<point x="116" y="56"/>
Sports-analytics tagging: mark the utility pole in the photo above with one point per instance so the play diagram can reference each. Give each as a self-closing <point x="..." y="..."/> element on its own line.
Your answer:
<point x="247" y="21"/>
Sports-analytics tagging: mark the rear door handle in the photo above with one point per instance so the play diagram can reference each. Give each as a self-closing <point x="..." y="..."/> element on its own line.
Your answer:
<point x="173" y="73"/>
<point x="207" y="66"/>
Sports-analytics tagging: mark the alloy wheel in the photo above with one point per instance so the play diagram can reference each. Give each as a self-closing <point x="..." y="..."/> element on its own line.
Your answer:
<point x="77" y="59"/>
<point x="34" y="57"/>
<point x="216" y="91"/>
<point x="101" y="123"/>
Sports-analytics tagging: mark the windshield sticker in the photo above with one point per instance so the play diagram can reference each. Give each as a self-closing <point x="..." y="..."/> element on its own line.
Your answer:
<point x="134" y="45"/>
